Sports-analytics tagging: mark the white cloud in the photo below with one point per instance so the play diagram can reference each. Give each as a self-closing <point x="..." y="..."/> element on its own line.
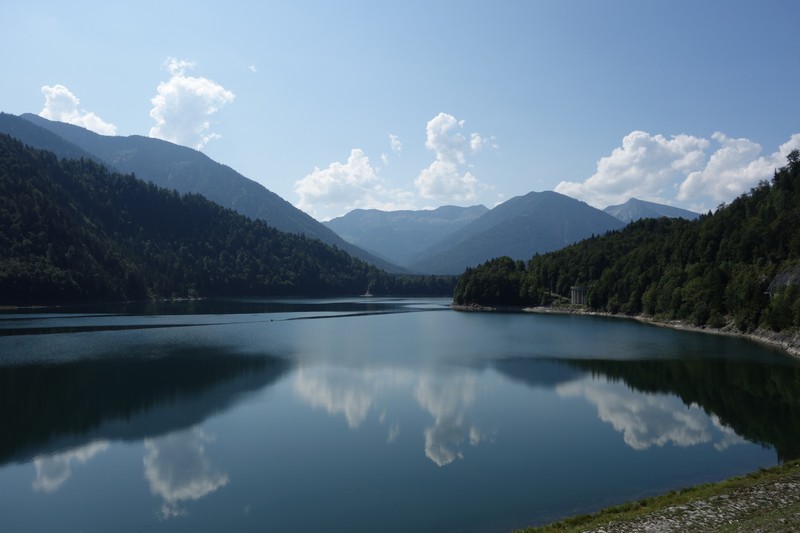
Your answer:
<point x="733" y="169"/>
<point x="475" y="142"/>
<point x="394" y="142"/>
<point x="645" y="166"/>
<point x="442" y="180"/>
<point x="342" y="187"/>
<point x="692" y="171"/>
<point x="61" y="105"/>
<point x="183" y="106"/>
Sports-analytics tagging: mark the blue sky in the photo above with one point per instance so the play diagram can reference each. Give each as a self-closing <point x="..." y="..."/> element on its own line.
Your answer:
<point x="338" y="105"/>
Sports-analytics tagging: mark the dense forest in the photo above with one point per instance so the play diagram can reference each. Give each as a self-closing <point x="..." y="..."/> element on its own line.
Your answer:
<point x="72" y="231"/>
<point x="739" y="264"/>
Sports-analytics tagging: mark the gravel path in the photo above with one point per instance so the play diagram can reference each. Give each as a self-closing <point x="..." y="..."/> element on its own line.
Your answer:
<point x="767" y="507"/>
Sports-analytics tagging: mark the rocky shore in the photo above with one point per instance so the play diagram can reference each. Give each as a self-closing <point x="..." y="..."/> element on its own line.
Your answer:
<point x="766" y="501"/>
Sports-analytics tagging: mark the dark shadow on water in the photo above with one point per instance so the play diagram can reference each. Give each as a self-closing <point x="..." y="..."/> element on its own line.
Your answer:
<point x="538" y="373"/>
<point x="229" y="306"/>
<point x="48" y="408"/>
<point x="88" y="329"/>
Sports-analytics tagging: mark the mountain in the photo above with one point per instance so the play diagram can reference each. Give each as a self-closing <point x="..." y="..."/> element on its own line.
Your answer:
<point x="537" y="222"/>
<point x="738" y="267"/>
<point x="635" y="209"/>
<point x="41" y="138"/>
<point x="399" y="235"/>
<point x="183" y="169"/>
<point x="73" y="231"/>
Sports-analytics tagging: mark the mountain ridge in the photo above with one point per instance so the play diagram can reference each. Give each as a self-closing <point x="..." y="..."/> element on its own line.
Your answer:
<point x="519" y="228"/>
<point x="71" y="230"/>
<point x="399" y="235"/>
<point x="190" y="171"/>
<point x="635" y="209"/>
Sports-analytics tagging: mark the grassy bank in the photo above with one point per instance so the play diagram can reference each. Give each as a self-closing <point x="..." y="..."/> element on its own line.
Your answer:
<point x="767" y="500"/>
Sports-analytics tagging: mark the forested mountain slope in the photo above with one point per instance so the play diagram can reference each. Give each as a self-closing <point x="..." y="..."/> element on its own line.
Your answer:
<point x="741" y="263"/>
<point x="178" y="167"/>
<point x="70" y="230"/>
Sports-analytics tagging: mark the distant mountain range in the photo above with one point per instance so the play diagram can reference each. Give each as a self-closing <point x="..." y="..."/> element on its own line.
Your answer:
<point x="537" y="222"/>
<point x="449" y="239"/>
<point x="446" y="240"/>
<point x="398" y="236"/>
<point x="180" y="168"/>
<point x="635" y="209"/>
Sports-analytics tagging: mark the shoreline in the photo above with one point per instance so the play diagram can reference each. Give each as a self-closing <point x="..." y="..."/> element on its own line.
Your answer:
<point x="764" y="500"/>
<point x="786" y="341"/>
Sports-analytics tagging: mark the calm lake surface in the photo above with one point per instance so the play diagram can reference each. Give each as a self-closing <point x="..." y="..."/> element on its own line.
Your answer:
<point x="367" y="414"/>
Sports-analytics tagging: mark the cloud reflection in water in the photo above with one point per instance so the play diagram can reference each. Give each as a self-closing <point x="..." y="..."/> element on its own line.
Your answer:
<point x="446" y="398"/>
<point x="647" y="420"/>
<point x="177" y="469"/>
<point x="354" y="393"/>
<point x="54" y="470"/>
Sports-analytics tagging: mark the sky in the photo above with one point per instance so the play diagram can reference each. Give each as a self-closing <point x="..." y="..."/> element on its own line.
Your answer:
<point x="338" y="105"/>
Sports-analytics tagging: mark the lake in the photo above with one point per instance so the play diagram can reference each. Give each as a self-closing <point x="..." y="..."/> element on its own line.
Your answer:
<point x="368" y="414"/>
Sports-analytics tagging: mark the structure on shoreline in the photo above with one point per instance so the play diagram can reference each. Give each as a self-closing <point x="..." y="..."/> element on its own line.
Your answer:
<point x="577" y="295"/>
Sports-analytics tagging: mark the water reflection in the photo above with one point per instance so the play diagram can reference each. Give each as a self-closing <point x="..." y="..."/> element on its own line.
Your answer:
<point x="647" y="420"/>
<point x="445" y="396"/>
<point x="466" y="418"/>
<point x="48" y="408"/>
<point x="54" y="470"/>
<point x="650" y="403"/>
<point x="448" y="399"/>
<point x="758" y="402"/>
<point x="344" y="391"/>
<point x="178" y="471"/>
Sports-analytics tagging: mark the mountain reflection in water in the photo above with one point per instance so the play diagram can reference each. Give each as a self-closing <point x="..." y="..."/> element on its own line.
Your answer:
<point x="45" y="409"/>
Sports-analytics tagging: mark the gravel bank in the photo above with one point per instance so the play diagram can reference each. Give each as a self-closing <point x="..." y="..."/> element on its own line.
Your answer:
<point x="764" y="505"/>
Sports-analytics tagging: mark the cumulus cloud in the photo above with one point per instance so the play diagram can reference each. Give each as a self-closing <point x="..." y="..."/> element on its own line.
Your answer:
<point x="342" y="187"/>
<point x="184" y="105"/>
<point x="645" y="167"/>
<point x="356" y="183"/>
<point x="443" y="180"/>
<point x="734" y="168"/>
<point x="61" y="105"/>
<point x="683" y="169"/>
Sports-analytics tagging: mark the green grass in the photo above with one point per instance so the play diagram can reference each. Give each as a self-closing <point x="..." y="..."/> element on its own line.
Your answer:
<point x="771" y="520"/>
